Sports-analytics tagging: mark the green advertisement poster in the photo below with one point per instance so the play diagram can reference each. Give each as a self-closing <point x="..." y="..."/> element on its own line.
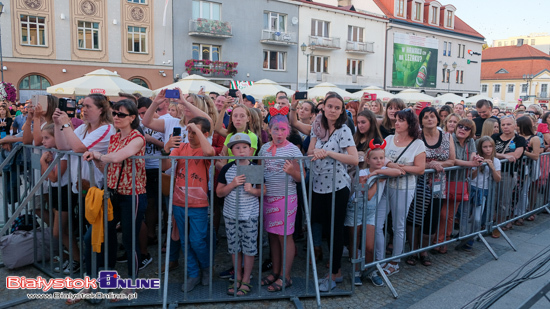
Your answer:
<point x="414" y="61"/>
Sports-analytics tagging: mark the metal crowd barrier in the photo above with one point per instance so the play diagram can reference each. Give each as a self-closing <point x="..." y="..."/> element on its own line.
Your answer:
<point x="419" y="214"/>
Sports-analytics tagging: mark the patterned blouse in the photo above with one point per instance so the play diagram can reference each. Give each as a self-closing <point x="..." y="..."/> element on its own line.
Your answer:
<point x="438" y="152"/>
<point x="113" y="171"/>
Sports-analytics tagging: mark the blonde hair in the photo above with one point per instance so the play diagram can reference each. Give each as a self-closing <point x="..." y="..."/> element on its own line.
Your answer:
<point x="205" y="104"/>
<point x="231" y="129"/>
<point x="50" y="129"/>
<point x="380" y="107"/>
<point x="488" y="127"/>
<point x="256" y="124"/>
<point x="446" y="120"/>
<point x="479" y="146"/>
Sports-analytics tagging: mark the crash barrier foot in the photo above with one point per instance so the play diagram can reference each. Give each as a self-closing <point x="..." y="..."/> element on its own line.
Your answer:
<point x="507" y="238"/>
<point x="542" y="293"/>
<point x="493" y="253"/>
<point x="386" y="280"/>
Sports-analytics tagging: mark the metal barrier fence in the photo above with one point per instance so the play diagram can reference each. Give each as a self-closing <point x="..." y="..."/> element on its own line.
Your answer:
<point x="419" y="211"/>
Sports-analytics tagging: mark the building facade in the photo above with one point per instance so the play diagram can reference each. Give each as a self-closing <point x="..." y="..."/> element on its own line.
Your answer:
<point x="540" y="41"/>
<point x="46" y="42"/>
<point x="510" y="73"/>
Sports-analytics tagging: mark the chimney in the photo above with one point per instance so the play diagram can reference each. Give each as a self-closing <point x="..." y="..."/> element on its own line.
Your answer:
<point x="520" y="42"/>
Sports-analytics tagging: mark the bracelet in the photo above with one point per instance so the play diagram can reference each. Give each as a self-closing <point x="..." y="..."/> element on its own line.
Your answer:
<point x="293" y="109"/>
<point x="164" y="152"/>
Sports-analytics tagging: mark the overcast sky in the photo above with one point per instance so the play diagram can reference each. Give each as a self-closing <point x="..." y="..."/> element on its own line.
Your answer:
<point x="500" y="19"/>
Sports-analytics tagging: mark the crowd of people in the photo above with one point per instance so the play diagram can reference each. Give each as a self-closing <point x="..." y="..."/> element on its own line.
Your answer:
<point x="337" y="137"/>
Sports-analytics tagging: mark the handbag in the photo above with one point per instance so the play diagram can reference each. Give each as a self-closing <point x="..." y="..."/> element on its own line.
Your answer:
<point x="458" y="190"/>
<point x="114" y="192"/>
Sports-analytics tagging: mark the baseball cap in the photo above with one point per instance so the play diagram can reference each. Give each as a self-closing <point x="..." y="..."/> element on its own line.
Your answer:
<point x="251" y="99"/>
<point x="239" y="138"/>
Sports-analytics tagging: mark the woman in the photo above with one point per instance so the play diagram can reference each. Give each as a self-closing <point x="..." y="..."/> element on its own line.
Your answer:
<point x="377" y="108"/>
<point x="256" y="122"/>
<point x="126" y="179"/>
<point x="353" y="108"/>
<point x="472" y="114"/>
<point x="367" y="130"/>
<point x="445" y="111"/>
<point x="405" y="152"/>
<point x="440" y="153"/>
<point x="466" y="156"/>
<point x="490" y="127"/>
<point x="5" y="121"/>
<point x="332" y="147"/>
<point x="387" y="127"/>
<point x="449" y="124"/>
<point x="40" y="117"/>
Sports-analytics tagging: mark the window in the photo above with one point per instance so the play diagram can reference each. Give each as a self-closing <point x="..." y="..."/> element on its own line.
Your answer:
<point x="140" y="82"/>
<point x="33" y="30"/>
<point x="524" y="88"/>
<point x="463" y="50"/>
<point x="444" y="48"/>
<point x="88" y="35"/>
<point x="355" y="34"/>
<point x="31" y="85"/>
<point x="418" y="11"/>
<point x="137" y="1"/>
<point x="512" y="42"/>
<point x="354" y="67"/>
<point x="449" y="54"/>
<point x="532" y="41"/>
<point x="320" y="28"/>
<point x="443" y="74"/>
<point x="206" y="52"/>
<point x="319" y="64"/>
<point x="207" y="10"/>
<point x="274" y="22"/>
<point x="462" y="76"/>
<point x="505" y="43"/>
<point x="459" y="49"/>
<point x="499" y="44"/>
<point x="457" y="76"/>
<point x="449" y="19"/>
<point x="274" y="60"/>
<point x="137" y="39"/>
<point x="497" y="88"/>
<point x="510" y="88"/>
<point x="401" y="8"/>
<point x="484" y="88"/>
<point x="434" y="14"/>
<point x="544" y="88"/>
<point x="448" y="76"/>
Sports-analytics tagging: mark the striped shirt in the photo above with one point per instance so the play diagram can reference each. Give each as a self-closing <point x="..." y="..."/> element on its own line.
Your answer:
<point x="275" y="177"/>
<point x="249" y="206"/>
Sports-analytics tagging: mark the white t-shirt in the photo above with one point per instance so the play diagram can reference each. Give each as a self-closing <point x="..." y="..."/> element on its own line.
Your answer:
<point x="98" y="140"/>
<point x="275" y="177"/>
<point x="393" y="152"/>
<point x="150" y="148"/>
<point x="484" y="177"/>
<point x="64" y="178"/>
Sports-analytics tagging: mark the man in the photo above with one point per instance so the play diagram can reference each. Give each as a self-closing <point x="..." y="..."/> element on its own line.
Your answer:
<point x="459" y="109"/>
<point x="249" y="101"/>
<point x="451" y="104"/>
<point x="20" y="120"/>
<point x="213" y="96"/>
<point x="484" y="109"/>
<point x="495" y="111"/>
<point x="282" y="101"/>
<point x="220" y="100"/>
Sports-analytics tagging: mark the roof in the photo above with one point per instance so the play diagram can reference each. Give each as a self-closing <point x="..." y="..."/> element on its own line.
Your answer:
<point x="460" y="26"/>
<point x="512" y="62"/>
<point x="513" y="52"/>
<point x="349" y="8"/>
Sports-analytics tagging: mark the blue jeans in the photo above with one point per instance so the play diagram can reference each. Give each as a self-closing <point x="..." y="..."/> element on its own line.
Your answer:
<point x="198" y="253"/>
<point x="123" y="212"/>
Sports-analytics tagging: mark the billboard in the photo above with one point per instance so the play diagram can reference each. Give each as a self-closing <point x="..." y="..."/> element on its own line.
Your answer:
<point x="414" y="61"/>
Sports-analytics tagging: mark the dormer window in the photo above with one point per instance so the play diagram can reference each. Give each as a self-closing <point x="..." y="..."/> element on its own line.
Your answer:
<point x="435" y="10"/>
<point x="400" y="8"/>
<point x="449" y="19"/>
<point x="418" y="10"/>
<point x="434" y="15"/>
<point x="449" y="16"/>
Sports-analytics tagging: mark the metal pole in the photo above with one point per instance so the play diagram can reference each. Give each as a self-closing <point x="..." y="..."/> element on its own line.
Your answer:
<point x="307" y="72"/>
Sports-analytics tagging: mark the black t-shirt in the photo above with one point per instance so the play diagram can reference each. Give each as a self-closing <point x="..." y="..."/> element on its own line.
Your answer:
<point x="479" y="124"/>
<point x="500" y="144"/>
<point x="386" y="132"/>
<point x="7" y="127"/>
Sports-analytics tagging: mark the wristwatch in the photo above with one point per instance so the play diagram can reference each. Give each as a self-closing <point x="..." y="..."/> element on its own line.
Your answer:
<point x="65" y="126"/>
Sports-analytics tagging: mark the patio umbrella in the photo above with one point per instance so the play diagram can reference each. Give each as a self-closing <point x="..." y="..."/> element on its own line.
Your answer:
<point x="99" y="81"/>
<point x="264" y="88"/>
<point x="476" y="98"/>
<point x="413" y="96"/>
<point x="322" y="89"/>
<point x="448" y="97"/>
<point x="380" y="93"/>
<point x="193" y="83"/>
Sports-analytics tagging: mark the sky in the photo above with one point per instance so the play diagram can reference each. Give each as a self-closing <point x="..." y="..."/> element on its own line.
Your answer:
<point x="500" y="19"/>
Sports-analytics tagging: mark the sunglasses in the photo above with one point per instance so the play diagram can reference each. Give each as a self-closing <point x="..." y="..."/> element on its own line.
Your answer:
<point x="119" y="114"/>
<point x="463" y="127"/>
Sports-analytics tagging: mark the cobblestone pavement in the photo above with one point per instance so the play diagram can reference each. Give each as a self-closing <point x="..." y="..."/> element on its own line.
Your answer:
<point x="413" y="284"/>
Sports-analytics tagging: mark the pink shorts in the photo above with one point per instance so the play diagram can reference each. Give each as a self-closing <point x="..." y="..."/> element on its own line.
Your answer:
<point x="274" y="218"/>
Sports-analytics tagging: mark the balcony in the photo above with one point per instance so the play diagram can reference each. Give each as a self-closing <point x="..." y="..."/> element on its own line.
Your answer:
<point x="278" y="38"/>
<point x="210" y="28"/>
<point x="542" y="96"/>
<point x="324" y="42"/>
<point x="207" y="68"/>
<point x="360" y="47"/>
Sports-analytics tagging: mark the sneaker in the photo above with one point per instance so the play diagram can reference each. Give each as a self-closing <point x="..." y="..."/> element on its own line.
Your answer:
<point x="267" y="265"/>
<point x="205" y="276"/>
<point x="145" y="261"/>
<point x="375" y="278"/>
<point x="76" y="268"/>
<point x="226" y="274"/>
<point x="122" y="259"/>
<point x="337" y="279"/>
<point x="357" y="279"/>
<point x="324" y="285"/>
<point x="191" y="284"/>
<point x="62" y="267"/>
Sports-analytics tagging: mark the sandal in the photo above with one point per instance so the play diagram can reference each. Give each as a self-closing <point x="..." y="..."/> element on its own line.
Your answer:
<point x="244" y="291"/>
<point x="72" y="301"/>
<point x="531" y="218"/>
<point x="276" y="287"/>
<point x="412" y="260"/>
<point x="496" y="233"/>
<point x="391" y="269"/>
<point x="425" y="260"/>
<point x="519" y="222"/>
<point x="231" y="288"/>
<point x="267" y="281"/>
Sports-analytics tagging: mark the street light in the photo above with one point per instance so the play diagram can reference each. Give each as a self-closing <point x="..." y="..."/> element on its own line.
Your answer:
<point x="1" y="60"/>
<point x="304" y="48"/>
<point x="529" y="79"/>
<point x="445" y="66"/>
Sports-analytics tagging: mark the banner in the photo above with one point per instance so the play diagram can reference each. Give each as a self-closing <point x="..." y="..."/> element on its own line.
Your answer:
<point x="414" y="61"/>
<point x="238" y="84"/>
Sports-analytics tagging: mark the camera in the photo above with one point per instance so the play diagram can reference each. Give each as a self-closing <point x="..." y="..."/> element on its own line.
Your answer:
<point x="68" y="106"/>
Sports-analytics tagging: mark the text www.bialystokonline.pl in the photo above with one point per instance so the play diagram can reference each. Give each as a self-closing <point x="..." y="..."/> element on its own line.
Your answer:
<point x="98" y="295"/>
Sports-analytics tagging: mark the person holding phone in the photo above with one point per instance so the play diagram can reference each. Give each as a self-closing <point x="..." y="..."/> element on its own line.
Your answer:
<point x="5" y="122"/>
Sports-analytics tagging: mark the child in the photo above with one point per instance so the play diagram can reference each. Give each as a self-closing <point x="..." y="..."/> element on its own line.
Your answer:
<point x="482" y="177"/>
<point x="275" y="174"/>
<point x="195" y="176"/>
<point x="59" y="183"/>
<point x="375" y="160"/>
<point x="244" y="240"/>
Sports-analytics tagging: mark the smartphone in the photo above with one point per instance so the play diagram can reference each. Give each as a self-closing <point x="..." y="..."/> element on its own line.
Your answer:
<point x="233" y="93"/>
<point x="176" y="132"/>
<point x="366" y="95"/>
<point x="40" y="99"/>
<point x="373" y="96"/>
<point x="202" y="88"/>
<point x="172" y="94"/>
<point x="423" y="106"/>
<point x="300" y="95"/>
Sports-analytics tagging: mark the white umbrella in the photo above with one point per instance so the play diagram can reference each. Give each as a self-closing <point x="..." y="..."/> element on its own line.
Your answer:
<point x="414" y="96"/>
<point x="380" y="93"/>
<point x="99" y="81"/>
<point x="322" y="89"/>
<point x="448" y="97"/>
<point x="193" y="84"/>
<point x="264" y="88"/>
<point x="478" y="97"/>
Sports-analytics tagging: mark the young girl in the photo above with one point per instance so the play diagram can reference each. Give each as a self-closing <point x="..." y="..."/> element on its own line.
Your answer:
<point x="375" y="159"/>
<point x="367" y="131"/>
<point x="57" y="183"/>
<point x="482" y="177"/>
<point x="238" y="123"/>
<point x="276" y="174"/>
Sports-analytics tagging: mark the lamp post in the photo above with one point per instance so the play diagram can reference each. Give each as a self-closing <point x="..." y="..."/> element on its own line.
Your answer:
<point x="304" y="47"/>
<point x="1" y="60"/>
<point x="445" y="66"/>
<point x="529" y="79"/>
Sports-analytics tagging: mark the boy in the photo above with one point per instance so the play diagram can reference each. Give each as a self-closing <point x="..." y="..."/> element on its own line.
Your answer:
<point x="195" y="176"/>
<point x="244" y="240"/>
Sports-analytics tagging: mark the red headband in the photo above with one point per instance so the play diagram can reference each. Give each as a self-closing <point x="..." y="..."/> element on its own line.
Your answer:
<point x="373" y="146"/>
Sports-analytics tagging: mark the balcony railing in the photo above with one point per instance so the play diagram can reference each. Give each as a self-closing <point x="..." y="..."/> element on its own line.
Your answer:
<point x="360" y="47"/>
<point x="209" y="68"/>
<point x="278" y="38"/>
<point x="542" y="95"/>
<point x="210" y="28"/>
<point x="324" y="42"/>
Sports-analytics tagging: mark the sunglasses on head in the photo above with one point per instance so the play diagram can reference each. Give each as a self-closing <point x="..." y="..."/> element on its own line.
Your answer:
<point x="463" y="127"/>
<point x="119" y="114"/>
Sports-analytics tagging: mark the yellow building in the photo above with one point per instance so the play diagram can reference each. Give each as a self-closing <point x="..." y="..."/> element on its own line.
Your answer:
<point x="540" y="41"/>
